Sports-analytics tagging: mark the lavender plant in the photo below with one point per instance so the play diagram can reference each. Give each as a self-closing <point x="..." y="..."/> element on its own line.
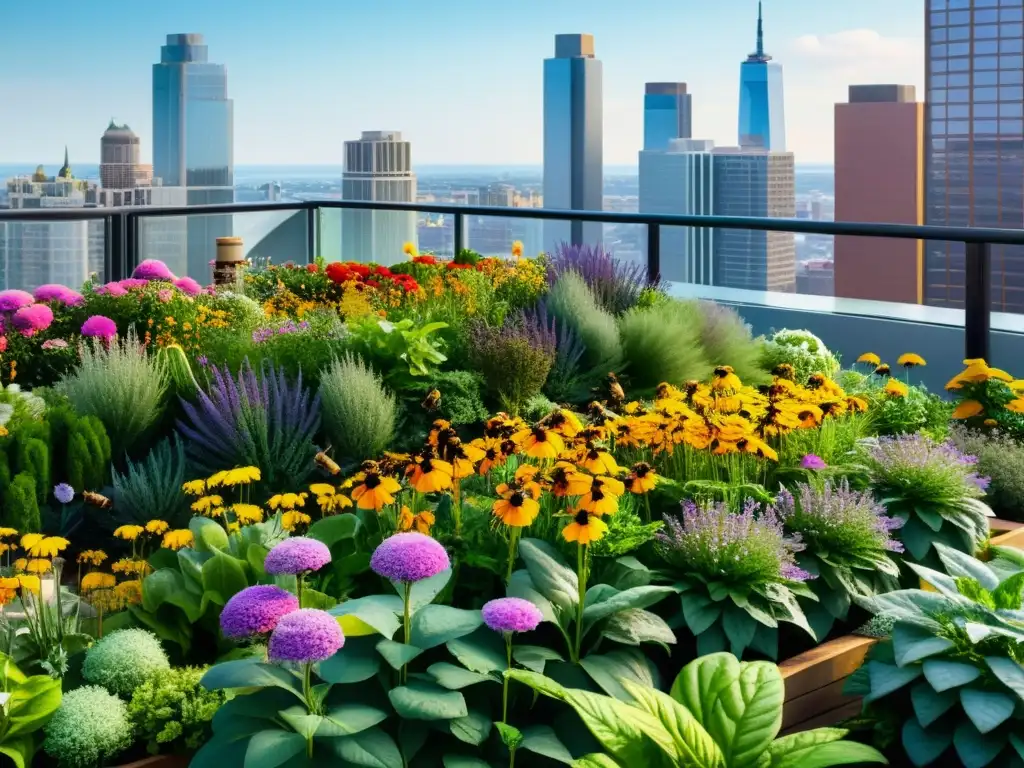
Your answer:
<point x="618" y="285"/>
<point x="737" y="575"/>
<point x="848" y="539"/>
<point x="934" y="489"/>
<point x="257" y="419"/>
<point x="566" y="380"/>
<point x="515" y="359"/>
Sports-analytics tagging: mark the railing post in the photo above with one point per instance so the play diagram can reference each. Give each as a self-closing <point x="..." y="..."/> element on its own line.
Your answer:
<point x="312" y="214"/>
<point x="132" y="250"/>
<point x="114" y="247"/>
<point x="459" y="234"/>
<point x="977" y="301"/>
<point x="653" y="253"/>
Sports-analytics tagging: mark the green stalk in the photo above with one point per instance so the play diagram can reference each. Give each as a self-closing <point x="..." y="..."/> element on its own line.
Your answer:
<point x="504" y="685"/>
<point x="581" y="577"/>
<point x="406" y="624"/>
<point x="513" y="541"/>
<point x="307" y="674"/>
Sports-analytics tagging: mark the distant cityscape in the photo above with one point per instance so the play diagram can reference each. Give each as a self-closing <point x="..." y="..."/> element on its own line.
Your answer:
<point x="953" y="159"/>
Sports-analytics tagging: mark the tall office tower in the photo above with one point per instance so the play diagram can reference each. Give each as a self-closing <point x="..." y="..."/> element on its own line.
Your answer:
<point x="762" y="116"/>
<point x="752" y="182"/>
<point x="667" y="114"/>
<point x="378" y="167"/>
<point x="879" y="176"/>
<point x="974" y="156"/>
<point x="573" y="136"/>
<point x="119" y="158"/>
<point x="193" y="139"/>
<point x="680" y="179"/>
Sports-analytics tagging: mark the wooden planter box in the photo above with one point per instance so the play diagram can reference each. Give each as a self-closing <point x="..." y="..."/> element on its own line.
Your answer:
<point x="1006" y="533"/>
<point x="160" y="761"/>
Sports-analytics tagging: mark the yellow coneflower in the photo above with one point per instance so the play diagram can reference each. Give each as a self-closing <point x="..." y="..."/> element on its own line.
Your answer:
<point x="784" y="371"/>
<point x="38" y="565"/>
<point x="247" y="514"/>
<point x="870" y="358"/>
<point x="20" y="563"/>
<point x="322" y="489"/>
<point x="599" y="461"/>
<point x="858" y="404"/>
<point x="91" y="557"/>
<point x="602" y="497"/>
<point x="216" y="479"/>
<point x="896" y="388"/>
<point x="6" y="533"/>
<point x="422" y="522"/>
<point x="194" y="487"/>
<point x="539" y="442"/>
<point x="292" y="521"/>
<point x="178" y="539"/>
<point x="287" y="500"/>
<point x="585" y="528"/>
<point x="642" y="478"/>
<point x="462" y="457"/>
<point x="242" y="476"/>
<point x="129" y="532"/>
<point x="429" y="474"/>
<point x="376" y="490"/>
<point x="910" y="360"/>
<point x="493" y="455"/>
<point x="50" y="546"/>
<point x="725" y="379"/>
<point x="97" y="580"/>
<point x="991" y="423"/>
<point x="129" y="592"/>
<point x="968" y="409"/>
<point x="30" y="583"/>
<point x="157" y="527"/>
<point x="758" y="447"/>
<point x="516" y="509"/>
<point x="564" y="422"/>
<point x="206" y="503"/>
<point x="29" y="540"/>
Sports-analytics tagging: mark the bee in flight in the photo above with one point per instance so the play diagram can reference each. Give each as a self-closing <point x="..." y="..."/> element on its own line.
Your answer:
<point x="432" y="401"/>
<point x="327" y="464"/>
<point x="97" y="500"/>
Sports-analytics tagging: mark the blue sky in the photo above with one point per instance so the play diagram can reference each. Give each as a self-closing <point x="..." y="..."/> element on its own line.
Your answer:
<point x="461" y="78"/>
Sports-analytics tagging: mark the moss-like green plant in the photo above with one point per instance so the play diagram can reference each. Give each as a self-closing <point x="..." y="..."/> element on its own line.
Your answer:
<point x="171" y="711"/>
<point x="359" y="413"/>
<point x="20" y="505"/>
<point x="90" y="727"/>
<point x="663" y="344"/>
<point x="727" y="340"/>
<point x="572" y="302"/>
<point x="123" y="660"/>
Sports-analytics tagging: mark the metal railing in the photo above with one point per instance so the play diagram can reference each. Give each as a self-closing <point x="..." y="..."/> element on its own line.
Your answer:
<point x="121" y="230"/>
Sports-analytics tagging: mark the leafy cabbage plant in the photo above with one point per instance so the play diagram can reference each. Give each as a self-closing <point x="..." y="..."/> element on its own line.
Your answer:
<point x="720" y="713"/>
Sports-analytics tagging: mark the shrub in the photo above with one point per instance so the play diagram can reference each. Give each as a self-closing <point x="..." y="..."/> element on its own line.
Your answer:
<point x="359" y="413"/>
<point x="617" y="285"/>
<point x="727" y="341"/>
<point x="801" y="349"/>
<point x="120" y="385"/>
<point x="514" y="359"/>
<point x="662" y="344"/>
<point x="259" y="419"/>
<point x="150" y="489"/>
<point x="572" y="302"/>
<point x="21" y="507"/>
<point x="171" y="711"/>
<point x="123" y="660"/>
<point x="1001" y="459"/>
<point x="90" y="727"/>
<point x="461" y="398"/>
<point x="566" y="380"/>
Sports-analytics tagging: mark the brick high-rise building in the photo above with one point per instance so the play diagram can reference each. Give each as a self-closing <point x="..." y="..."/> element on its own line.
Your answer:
<point x="879" y="177"/>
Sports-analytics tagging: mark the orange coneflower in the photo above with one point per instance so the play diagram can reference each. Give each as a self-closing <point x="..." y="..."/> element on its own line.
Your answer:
<point x="516" y="508"/>
<point x="598" y="460"/>
<point x="602" y="496"/>
<point x="429" y="474"/>
<point x="725" y="379"/>
<point x="539" y="442"/>
<point x="564" y="422"/>
<point x="585" y="528"/>
<point x="642" y="478"/>
<point x="492" y="453"/>
<point x="421" y="522"/>
<point x="376" y="490"/>
<point x="462" y="457"/>
<point x="560" y="477"/>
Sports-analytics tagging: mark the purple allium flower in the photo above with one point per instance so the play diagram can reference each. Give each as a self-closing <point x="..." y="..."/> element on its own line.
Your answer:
<point x="55" y="344"/>
<point x="297" y="555"/>
<point x="188" y="286"/>
<point x="306" y="636"/>
<point x="810" y="461"/>
<point x="511" y="614"/>
<point x="838" y="520"/>
<point x="256" y="611"/>
<point x="99" y="327"/>
<point x="749" y="548"/>
<point x="32" y="319"/>
<point x="153" y="269"/>
<point x="133" y="282"/>
<point x="13" y="299"/>
<point x="111" y="289"/>
<point x="64" y="493"/>
<point x="203" y="360"/>
<point x="409" y="557"/>
<point x="60" y="294"/>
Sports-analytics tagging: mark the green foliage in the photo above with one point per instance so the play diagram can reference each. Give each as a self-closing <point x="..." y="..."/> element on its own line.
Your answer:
<point x="721" y="713"/>
<point x="1001" y="459"/>
<point x="727" y="340"/>
<point x="359" y="413"/>
<point x="662" y="344"/>
<point x="34" y="459"/>
<point x="398" y="349"/>
<point x="171" y="711"/>
<point x="32" y="702"/>
<point x="949" y="683"/>
<point x="571" y="301"/>
<point x="20" y="505"/>
<point x="461" y="396"/>
<point x="122" y="386"/>
<point x="513" y="362"/>
<point x="150" y="489"/>
<point x="123" y="660"/>
<point x="801" y="349"/>
<point x="90" y="727"/>
<point x="179" y="370"/>
<point x="918" y="411"/>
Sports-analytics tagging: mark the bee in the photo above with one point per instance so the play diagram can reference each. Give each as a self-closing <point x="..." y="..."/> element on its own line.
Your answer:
<point x="432" y="401"/>
<point x="97" y="500"/>
<point x="616" y="396"/>
<point x="327" y="464"/>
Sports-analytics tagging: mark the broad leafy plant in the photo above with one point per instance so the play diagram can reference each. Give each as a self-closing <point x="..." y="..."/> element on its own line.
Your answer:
<point x="26" y="705"/>
<point x="399" y="348"/>
<point x="721" y="713"/>
<point x="949" y="684"/>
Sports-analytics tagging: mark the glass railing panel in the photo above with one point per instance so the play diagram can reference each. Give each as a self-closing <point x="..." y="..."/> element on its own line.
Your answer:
<point x="35" y="252"/>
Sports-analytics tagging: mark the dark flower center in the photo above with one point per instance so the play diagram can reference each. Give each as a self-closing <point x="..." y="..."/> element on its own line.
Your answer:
<point x="582" y="518"/>
<point x="372" y="481"/>
<point x="517" y="499"/>
<point x="642" y="470"/>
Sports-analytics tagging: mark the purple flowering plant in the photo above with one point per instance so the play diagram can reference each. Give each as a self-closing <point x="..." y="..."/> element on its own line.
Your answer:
<point x="737" y="574"/>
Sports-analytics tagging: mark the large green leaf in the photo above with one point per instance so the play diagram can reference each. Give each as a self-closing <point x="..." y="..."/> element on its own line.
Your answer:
<point x="372" y="748"/>
<point x="959" y="563"/>
<point x="454" y="677"/>
<point x="986" y="709"/>
<point x="610" y="670"/>
<point x="420" y="700"/>
<point x="911" y="643"/>
<point x="377" y="612"/>
<point x="637" y="597"/>
<point x="521" y="585"/>
<point x="535" y="657"/>
<point x="473" y="728"/>
<point x="551" y="577"/>
<point x="635" y="625"/>
<point x="424" y="592"/>
<point x="223" y="577"/>
<point x="1009" y="672"/>
<point x="974" y="749"/>
<point x="19" y="750"/>
<point x="925" y="745"/>
<point x="208" y="534"/>
<point x="357" y="661"/>
<point x="483" y="651"/>
<point x="249" y="673"/>
<point x="433" y="625"/>
<point x="271" y="748"/>
<point x="31" y="704"/>
<point x="819" y="748"/>
<point x="694" y="745"/>
<point x="331" y="530"/>
<point x="596" y="760"/>
<point x="943" y="675"/>
<point x="397" y="654"/>
<point x="886" y="678"/>
<point x="349" y="718"/>
<point x="699" y="611"/>
<point x="543" y="740"/>
<point x="739" y="704"/>
<point x="929" y="706"/>
<point x="633" y="737"/>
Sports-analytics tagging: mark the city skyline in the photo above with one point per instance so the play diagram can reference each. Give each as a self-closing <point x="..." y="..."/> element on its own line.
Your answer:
<point x="289" y="110"/>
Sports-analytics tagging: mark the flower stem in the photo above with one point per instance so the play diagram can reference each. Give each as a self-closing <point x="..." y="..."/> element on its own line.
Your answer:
<point x="307" y="692"/>
<point x="504" y="685"/>
<point x="298" y="587"/>
<point x="457" y="507"/>
<point x="513" y="541"/>
<point x="406" y="623"/>
<point x="647" y="506"/>
<point x="581" y="577"/>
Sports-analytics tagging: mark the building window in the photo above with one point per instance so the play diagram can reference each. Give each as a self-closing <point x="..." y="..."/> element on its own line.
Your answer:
<point x="959" y="17"/>
<point x="984" y="94"/>
<point x="987" y="31"/>
<point x="955" y="95"/>
<point x="985" y="78"/>
<point x="1013" y="45"/>
<point x="939" y="81"/>
<point x="986" y="16"/>
<point x="986" y="110"/>
<point x="959" y="65"/>
<point x="986" y="126"/>
<point x="1011" y="109"/>
<point x="1014" y="127"/>
<point x="1014" y="61"/>
<point x="1011" y="14"/>
<point x="1011" y="93"/>
<point x="957" y="127"/>
<point x="1011" y="77"/>
<point x="986" y="47"/>
<point x="958" y="110"/>
<point x="959" y="33"/>
<point x="986" y="62"/>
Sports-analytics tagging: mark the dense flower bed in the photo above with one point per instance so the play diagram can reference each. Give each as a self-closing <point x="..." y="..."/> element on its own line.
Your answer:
<point x="344" y="513"/>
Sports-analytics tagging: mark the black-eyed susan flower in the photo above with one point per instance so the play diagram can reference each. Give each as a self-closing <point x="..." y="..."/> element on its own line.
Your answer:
<point x="516" y="508"/>
<point x="910" y="360"/>
<point x="857" y="404"/>
<point x="376" y="490"/>
<point x="585" y="528"/>
<point x="784" y="371"/>
<point x="642" y="478"/>
<point x="757" y="447"/>
<point x="128" y="532"/>
<point x="602" y="497"/>
<point x="287" y="500"/>
<point x="564" y="422"/>
<point x="539" y="442"/>
<point x="559" y="477"/>
<point x="178" y="539"/>
<point x="883" y="369"/>
<point x="463" y="457"/>
<point x="870" y="358"/>
<point x="725" y="379"/>
<point x="493" y="456"/>
<point x="421" y="522"/>
<point x="429" y="474"/>
<point x="6" y="533"/>
<point x="598" y="460"/>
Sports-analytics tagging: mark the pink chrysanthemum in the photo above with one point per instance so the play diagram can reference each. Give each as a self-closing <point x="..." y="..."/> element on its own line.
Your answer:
<point x="111" y="289"/>
<point x="133" y="282"/>
<point x="58" y="293"/>
<point x="409" y="557"/>
<point x="12" y="300"/>
<point x="55" y="344"/>
<point x="188" y="286"/>
<point x="32" y="319"/>
<point x="99" y="327"/>
<point x="153" y="269"/>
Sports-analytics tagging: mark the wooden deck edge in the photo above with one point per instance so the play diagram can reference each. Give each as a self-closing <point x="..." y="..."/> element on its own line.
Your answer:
<point x="160" y="761"/>
<point x="824" y="665"/>
<point x="833" y="717"/>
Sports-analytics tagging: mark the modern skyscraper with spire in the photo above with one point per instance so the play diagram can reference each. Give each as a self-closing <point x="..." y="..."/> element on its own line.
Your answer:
<point x="762" y="121"/>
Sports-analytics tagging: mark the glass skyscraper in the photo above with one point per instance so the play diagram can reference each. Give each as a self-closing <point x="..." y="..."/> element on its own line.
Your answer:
<point x="193" y="139"/>
<point x="667" y="114"/>
<point x="974" y="149"/>
<point x="762" y="117"/>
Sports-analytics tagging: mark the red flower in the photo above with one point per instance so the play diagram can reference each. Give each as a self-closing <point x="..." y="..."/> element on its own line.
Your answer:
<point x="337" y="272"/>
<point x="3" y="343"/>
<point x="453" y="265"/>
<point x="360" y="269"/>
<point x="312" y="268"/>
<point x="373" y="283"/>
<point x="429" y="261"/>
<point x="382" y="271"/>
